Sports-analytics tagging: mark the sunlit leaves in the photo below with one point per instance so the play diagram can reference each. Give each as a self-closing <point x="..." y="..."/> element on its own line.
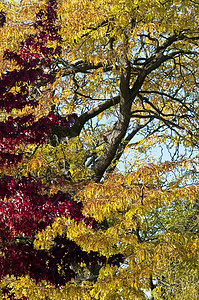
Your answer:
<point x="147" y="216"/>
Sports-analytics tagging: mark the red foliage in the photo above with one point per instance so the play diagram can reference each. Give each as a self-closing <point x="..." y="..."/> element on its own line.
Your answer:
<point x="26" y="206"/>
<point x="34" y="57"/>
<point x="27" y="210"/>
<point x="43" y="265"/>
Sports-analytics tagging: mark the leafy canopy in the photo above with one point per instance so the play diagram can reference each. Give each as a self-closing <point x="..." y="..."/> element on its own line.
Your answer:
<point x="86" y="85"/>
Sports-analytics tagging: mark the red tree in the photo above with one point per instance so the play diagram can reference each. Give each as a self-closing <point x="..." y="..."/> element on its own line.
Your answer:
<point x="28" y="207"/>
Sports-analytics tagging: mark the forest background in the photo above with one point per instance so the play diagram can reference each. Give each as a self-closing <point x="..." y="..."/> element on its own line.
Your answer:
<point x="87" y="86"/>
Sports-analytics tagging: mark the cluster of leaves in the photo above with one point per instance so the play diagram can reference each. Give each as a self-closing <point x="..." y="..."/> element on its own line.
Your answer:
<point x="26" y="206"/>
<point x="34" y="59"/>
<point x="23" y="259"/>
<point x="34" y="56"/>
<point x="23" y="130"/>
<point x="134" y="64"/>
<point x="28" y="211"/>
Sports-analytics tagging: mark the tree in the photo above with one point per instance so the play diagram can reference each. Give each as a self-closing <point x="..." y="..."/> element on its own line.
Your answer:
<point x="80" y="85"/>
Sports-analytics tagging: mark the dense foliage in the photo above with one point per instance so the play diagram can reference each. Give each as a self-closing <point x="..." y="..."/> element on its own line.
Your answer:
<point x="85" y="87"/>
<point x="29" y="208"/>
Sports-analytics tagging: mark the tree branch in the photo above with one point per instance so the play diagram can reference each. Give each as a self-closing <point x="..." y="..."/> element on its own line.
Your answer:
<point x="125" y="99"/>
<point x="123" y="145"/>
<point x="76" y="129"/>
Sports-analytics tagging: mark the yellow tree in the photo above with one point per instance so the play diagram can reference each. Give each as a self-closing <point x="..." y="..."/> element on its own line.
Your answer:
<point x="129" y="70"/>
